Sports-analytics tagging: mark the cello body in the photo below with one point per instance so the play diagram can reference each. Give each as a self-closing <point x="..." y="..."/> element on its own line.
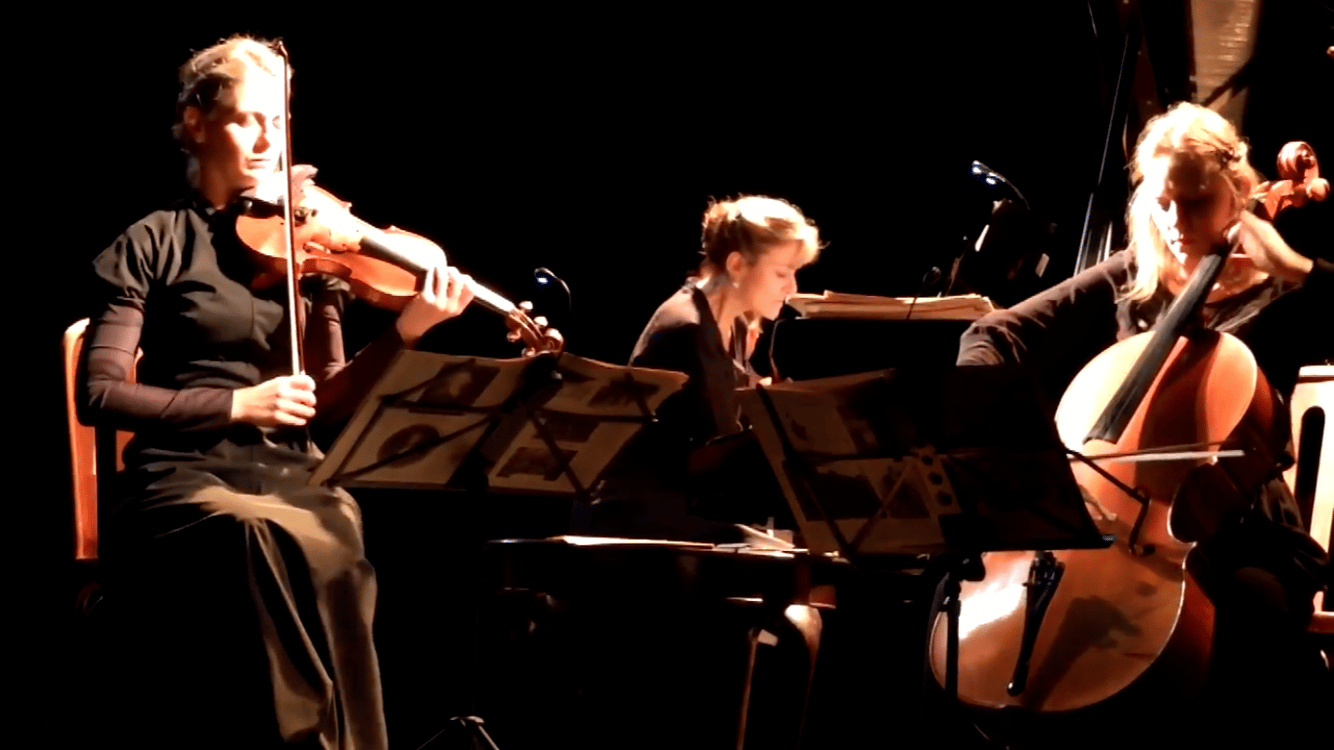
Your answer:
<point x="1130" y="619"/>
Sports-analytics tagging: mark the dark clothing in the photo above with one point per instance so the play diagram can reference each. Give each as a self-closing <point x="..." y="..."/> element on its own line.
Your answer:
<point x="246" y="595"/>
<point x="667" y="672"/>
<point x="683" y="336"/>
<point x="645" y="493"/>
<point x="1056" y="333"/>
<point x="1260" y="569"/>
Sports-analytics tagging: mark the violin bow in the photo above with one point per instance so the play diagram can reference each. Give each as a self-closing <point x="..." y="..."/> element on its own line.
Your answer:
<point x="294" y="318"/>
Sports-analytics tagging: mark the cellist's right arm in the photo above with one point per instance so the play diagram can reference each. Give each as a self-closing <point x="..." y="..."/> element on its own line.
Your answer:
<point x="1053" y="333"/>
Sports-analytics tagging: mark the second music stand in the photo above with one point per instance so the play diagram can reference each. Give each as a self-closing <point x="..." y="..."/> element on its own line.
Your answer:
<point x="883" y="467"/>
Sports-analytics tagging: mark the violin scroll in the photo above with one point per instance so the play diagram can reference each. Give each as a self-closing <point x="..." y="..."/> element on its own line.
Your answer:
<point x="538" y="337"/>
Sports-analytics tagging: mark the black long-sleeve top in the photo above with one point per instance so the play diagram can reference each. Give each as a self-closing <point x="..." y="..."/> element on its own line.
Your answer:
<point x="647" y="490"/>
<point x="178" y="285"/>
<point x="683" y="336"/>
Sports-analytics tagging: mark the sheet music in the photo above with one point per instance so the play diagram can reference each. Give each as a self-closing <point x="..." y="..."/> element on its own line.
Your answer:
<point x="428" y="412"/>
<point x="595" y="413"/>
<point x="903" y="462"/>
<point x="866" y="307"/>
<point x="897" y="491"/>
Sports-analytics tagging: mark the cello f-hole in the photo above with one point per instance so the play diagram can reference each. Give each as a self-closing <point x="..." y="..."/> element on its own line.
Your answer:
<point x="1132" y="541"/>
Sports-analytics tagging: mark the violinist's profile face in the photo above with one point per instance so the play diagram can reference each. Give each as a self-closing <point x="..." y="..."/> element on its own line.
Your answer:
<point x="239" y="145"/>
<point x="765" y="284"/>
<point x="1194" y="206"/>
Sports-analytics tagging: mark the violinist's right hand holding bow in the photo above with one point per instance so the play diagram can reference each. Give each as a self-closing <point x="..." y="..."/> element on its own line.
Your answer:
<point x="287" y="401"/>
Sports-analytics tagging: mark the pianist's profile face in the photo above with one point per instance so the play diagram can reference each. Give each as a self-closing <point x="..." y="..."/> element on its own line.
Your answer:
<point x="766" y="282"/>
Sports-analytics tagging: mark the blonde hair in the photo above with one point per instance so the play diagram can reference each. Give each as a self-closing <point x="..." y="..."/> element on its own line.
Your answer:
<point x="751" y="225"/>
<point x="210" y="76"/>
<point x="1184" y="129"/>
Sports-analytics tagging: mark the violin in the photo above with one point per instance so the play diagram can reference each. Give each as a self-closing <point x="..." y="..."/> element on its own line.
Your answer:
<point x="1174" y="429"/>
<point x="385" y="267"/>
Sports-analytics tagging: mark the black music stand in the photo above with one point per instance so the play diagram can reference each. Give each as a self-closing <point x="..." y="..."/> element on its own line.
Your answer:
<point x="943" y="462"/>
<point x="546" y="425"/>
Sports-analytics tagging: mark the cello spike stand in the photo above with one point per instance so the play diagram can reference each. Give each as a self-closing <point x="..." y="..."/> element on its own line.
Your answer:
<point x="957" y="569"/>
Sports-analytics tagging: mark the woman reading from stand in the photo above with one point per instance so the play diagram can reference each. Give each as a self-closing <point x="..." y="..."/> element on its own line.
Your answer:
<point x="753" y="247"/>
<point x="683" y="659"/>
<point x="1260" y="568"/>
<point x="246" y="600"/>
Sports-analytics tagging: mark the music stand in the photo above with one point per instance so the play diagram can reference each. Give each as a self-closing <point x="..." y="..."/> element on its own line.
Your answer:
<point x="899" y="463"/>
<point x="546" y="425"/>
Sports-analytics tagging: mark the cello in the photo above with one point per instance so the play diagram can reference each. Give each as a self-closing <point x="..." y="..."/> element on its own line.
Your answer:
<point x="1166" y="426"/>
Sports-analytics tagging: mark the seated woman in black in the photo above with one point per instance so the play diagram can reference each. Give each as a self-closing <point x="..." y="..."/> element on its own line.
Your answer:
<point x="753" y="247"/>
<point x="245" y="597"/>
<point x="1261" y="569"/>
<point x="667" y="671"/>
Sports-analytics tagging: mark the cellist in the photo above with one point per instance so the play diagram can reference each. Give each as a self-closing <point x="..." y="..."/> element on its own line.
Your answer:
<point x="1191" y="182"/>
<point x="244" y="597"/>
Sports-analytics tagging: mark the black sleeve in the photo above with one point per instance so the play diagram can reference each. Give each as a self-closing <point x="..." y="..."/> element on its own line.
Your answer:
<point x="124" y="275"/>
<point x="1054" y="333"/>
<point x="1287" y="334"/>
<point x="340" y="385"/>
<point x="677" y="347"/>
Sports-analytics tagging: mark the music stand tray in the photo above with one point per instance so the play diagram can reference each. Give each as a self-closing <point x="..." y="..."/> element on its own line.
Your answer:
<point x="548" y="424"/>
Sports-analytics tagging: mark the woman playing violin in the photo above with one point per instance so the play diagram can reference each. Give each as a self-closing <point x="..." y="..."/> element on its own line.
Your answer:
<point x="247" y="600"/>
<point x="1260" y="568"/>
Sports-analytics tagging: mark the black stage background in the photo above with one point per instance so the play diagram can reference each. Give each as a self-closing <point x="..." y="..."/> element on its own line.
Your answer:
<point x="589" y="143"/>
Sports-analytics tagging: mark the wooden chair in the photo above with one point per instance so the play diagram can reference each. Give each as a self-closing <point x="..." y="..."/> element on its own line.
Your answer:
<point x="84" y="444"/>
<point x="1312" y="477"/>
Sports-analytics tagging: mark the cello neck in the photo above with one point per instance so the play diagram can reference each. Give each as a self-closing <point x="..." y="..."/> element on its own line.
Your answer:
<point x="1123" y="404"/>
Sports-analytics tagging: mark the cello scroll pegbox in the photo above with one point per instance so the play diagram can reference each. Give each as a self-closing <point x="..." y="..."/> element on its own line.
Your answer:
<point x="1299" y="182"/>
<point x="1297" y="162"/>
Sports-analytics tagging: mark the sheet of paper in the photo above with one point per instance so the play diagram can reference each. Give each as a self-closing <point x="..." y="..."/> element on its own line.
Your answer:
<point x="865" y="307"/>
<point x="428" y="412"/>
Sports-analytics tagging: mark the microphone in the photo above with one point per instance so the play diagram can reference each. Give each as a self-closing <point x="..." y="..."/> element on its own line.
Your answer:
<point x="931" y="276"/>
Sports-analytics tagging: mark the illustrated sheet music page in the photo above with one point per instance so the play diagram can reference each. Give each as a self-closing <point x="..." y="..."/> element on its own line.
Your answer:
<point x="429" y="412"/>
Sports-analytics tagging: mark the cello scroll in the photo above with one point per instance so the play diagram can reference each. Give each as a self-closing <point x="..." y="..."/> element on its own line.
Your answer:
<point x="1299" y="182"/>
